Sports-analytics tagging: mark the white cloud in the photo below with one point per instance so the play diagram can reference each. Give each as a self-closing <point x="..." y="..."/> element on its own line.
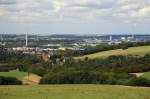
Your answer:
<point x="2" y="12"/>
<point x="42" y="10"/>
<point x="144" y="12"/>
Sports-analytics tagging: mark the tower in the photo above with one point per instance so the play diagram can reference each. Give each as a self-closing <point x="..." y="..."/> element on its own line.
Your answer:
<point x="110" y="37"/>
<point x="1" y="37"/>
<point x="26" y="39"/>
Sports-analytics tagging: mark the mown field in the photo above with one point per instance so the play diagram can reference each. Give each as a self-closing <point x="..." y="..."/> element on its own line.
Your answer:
<point x="130" y="51"/>
<point x="146" y="75"/>
<point x="14" y="73"/>
<point x="73" y="92"/>
<point x="32" y="79"/>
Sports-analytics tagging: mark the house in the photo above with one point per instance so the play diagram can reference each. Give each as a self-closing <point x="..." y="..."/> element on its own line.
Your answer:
<point x="45" y="56"/>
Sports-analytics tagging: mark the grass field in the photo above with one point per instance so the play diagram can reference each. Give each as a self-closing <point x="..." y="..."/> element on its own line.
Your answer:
<point x="146" y="75"/>
<point x="32" y="79"/>
<point x="3" y="64"/>
<point x="137" y="74"/>
<point x="14" y="73"/>
<point x="73" y="92"/>
<point x="132" y="51"/>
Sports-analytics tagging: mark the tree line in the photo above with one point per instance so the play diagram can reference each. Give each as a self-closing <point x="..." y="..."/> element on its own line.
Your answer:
<point x="105" y="47"/>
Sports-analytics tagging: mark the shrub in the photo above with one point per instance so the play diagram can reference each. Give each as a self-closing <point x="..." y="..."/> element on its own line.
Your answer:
<point x="37" y="69"/>
<point x="139" y="82"/>
<point x="9" y="81"/>
<point x="85" y="77"/>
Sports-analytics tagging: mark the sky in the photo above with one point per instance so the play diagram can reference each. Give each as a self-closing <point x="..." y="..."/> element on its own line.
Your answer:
<point x="75" y="16"/>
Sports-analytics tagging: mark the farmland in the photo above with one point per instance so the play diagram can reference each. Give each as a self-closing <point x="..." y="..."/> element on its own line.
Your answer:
<point x="73" y="92"/>
<point x="130" y="51"/>
<point x="146" y="75"/>
<point x="14" y="73"/>
<point x="32" y="79"/>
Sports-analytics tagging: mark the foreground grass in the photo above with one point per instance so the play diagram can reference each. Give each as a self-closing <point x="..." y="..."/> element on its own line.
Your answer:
<point x="73" y="92"/>
<point x="14" y="73"/>
<point x="132" y="51"/>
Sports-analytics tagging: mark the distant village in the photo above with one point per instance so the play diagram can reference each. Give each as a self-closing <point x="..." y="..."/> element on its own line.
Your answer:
<point x="46" y="46"/>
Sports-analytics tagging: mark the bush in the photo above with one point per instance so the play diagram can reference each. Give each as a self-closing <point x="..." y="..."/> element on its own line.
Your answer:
<point x="139" y="82"/>
<point x="37" y="69"/>
<point x="68" y="77"/>
<point x="9" y="81"/>
<point x="85" y="77"/>
<point x="7" y="68"/>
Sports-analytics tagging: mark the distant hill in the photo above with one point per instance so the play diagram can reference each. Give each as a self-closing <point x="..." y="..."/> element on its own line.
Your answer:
<point x="130" y="51"/>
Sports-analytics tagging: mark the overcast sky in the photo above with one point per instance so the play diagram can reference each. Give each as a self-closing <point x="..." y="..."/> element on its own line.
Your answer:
<point x="75" y="16"/>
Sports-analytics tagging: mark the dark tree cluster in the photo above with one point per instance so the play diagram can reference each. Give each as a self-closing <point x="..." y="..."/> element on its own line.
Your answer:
<point x="111" y="70"/>
<point x="106" y="47"/>
<point x="9" y="81"/>
<point x="10" y="60"/>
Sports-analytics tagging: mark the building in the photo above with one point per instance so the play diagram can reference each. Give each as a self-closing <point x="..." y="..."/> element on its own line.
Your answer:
<point x="45" y="56"/>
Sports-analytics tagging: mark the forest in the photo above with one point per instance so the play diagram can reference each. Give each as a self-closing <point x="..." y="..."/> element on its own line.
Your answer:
<point x="113" y="70"/>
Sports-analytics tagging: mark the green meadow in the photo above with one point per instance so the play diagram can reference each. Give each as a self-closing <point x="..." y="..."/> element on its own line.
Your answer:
<point x="146" y="75"/>
<point x="14" y="73"/>
<point x="74" y="92"/>
<point x="130" y="51"/>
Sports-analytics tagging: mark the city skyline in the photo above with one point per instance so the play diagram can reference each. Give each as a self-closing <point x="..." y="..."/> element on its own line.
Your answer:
<point x="75" y="17"/>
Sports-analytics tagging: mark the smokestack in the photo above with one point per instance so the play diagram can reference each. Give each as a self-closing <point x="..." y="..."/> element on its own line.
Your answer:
<point x="132" y="36"/>
<point x="110" y="37"/>
<point x="1" y="37"/>
<point x="26" y="39"/>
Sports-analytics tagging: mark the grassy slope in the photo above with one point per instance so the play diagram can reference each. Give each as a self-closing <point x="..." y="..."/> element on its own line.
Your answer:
<point x="73" y="92"/>
<point x="3" y="64"/>
<point x="133" y="51"/>
<point x="14" y="73"/>
<point x="146" y="75"/>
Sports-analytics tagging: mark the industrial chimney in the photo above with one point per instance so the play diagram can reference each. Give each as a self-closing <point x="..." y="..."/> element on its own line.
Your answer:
<point x="26" y="39"/>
